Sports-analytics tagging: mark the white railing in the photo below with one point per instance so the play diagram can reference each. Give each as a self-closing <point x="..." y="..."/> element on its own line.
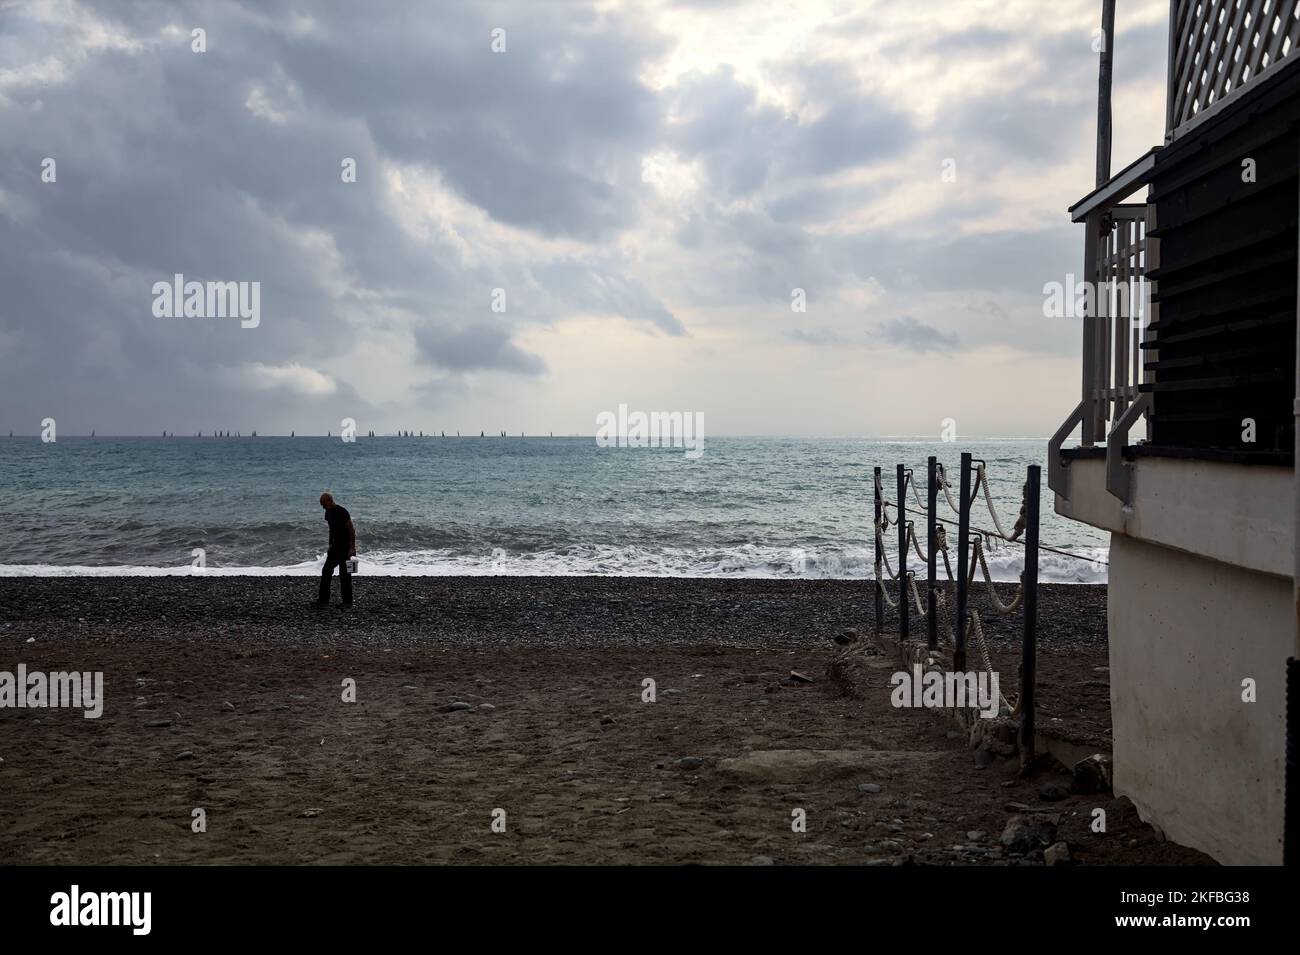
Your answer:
<point x="1112" y="363"/>
<point x="1117" y="257"/>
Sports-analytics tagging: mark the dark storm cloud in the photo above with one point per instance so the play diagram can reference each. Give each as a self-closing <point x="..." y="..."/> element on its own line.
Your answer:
<point x="225" y="166"/>
<point x="817" y="202"/>
<point x="909" y="333"/>
<point x="546" y="135"/>
<point x="475" y="348"/>
<point x="163" y="169"/>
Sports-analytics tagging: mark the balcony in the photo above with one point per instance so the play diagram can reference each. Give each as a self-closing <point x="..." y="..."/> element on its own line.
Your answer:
<point x="1192" y="324"/>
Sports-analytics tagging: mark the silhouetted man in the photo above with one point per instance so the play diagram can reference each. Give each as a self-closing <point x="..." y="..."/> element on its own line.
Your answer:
<point x="343" y="544"/>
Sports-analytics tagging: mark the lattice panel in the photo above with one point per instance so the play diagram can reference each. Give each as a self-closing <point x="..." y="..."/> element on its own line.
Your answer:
<point x="1221" y="45"/>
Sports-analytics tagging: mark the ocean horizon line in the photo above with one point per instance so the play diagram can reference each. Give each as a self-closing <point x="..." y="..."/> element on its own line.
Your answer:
<point x="884" y="439"/>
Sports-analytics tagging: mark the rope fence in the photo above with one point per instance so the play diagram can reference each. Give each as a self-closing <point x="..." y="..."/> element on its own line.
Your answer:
<point x="945" y="608"/>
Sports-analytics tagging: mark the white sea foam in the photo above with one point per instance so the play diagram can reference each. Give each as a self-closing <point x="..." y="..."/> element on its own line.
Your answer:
<point x="747" y="561"/>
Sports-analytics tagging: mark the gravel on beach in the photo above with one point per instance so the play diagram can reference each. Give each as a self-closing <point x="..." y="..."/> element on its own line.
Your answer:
<point x="402" y="729"/>
<point x="552" y="612"/>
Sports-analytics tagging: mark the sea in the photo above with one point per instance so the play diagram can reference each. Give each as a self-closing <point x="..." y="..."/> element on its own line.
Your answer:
<point x="766" y="507"/>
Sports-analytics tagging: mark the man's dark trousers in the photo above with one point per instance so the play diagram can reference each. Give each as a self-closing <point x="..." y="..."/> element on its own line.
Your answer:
<point x="340" y="561"/>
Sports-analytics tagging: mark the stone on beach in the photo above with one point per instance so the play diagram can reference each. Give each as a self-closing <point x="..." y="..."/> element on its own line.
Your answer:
<point x="1092" y="775"/>
<point x="1027" y="833"/>
<point x="1057" y="854"/>
<point x="1052" y="792"/>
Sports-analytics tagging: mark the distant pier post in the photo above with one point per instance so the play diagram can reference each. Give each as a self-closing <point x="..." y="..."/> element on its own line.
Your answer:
<point x="902" y="553"/>
<point x="875" y="538"/>
<point x="963" y="548"/>
<point x="1028" y="652"/>
<point x="931" y="538"/>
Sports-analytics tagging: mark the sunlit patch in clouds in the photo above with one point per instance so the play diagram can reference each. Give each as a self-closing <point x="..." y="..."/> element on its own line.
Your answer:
<point x="293" y="378"/>
<point x="672" y="178"/>
<point x="277" y="102"/>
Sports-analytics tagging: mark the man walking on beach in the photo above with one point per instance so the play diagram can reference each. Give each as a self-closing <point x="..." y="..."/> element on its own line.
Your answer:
<point x="343" y="544"/>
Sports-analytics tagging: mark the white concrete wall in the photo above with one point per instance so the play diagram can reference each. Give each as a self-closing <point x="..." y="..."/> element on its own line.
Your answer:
<point x="1238" y="514"/>
<point x="1199" y="763"/>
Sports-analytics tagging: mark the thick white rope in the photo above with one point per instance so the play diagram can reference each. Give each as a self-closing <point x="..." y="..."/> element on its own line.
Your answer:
<point x="911" y="579"/>
<point x="978" y="630"/>
<point x="983" y="481"/>
<point x="916" y="495"/>
<point x="947" y="490"/>
<point x="884" y="504"/>
<point x="992" y="591"/>
<point x="884" y="592"/>
<point x="916" y="545"/>
<point x="941" y="541"/>
<point x="885" y="556"/>
<point x="940" y="595"/>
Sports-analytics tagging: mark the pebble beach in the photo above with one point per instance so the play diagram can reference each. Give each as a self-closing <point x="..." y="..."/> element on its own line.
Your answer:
<point x="518" y="702"/>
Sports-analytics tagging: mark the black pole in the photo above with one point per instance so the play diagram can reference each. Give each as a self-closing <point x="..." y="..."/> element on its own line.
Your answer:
<point x="931" y="537"/>
<point x="902" y="554"/>
<point x="963" y="547"/>
<point x="875" y="537"/>
<point x="1290" y="837"/>
<point x="1104" y="72"/>
<point x="1028" y="652"/>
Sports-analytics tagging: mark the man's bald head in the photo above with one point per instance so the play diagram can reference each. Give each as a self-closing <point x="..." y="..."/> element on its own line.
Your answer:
<point x="327" y="500"/>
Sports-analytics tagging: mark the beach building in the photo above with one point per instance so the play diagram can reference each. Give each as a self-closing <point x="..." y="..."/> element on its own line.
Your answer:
<point x="1186" y="426"/>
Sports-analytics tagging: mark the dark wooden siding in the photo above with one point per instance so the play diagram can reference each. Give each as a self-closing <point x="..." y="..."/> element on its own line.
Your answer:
<point x="1223" y="348"/>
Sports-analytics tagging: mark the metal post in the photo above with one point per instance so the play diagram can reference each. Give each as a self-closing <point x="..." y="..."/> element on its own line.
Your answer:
<point x="931" y="538"/>
<point x="1103" y="90"/>
<point x="1028" y="652"/>
<point x="902" y="554"/>
<point x="1291" y="779"/>
<point x="875" y="537"/>
<point x="963" y="546"/>
<point x="1095" y="411"/>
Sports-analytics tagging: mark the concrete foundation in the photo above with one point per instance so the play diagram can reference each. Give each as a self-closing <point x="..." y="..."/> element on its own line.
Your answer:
<point x="1198" y="762"/>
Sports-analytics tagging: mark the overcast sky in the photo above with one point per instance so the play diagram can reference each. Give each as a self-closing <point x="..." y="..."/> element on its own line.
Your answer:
<point x="646" y="182"/>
